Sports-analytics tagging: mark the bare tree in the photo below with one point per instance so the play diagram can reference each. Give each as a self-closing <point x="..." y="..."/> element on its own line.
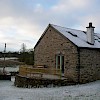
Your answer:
<point x="23" y="48"/>
<point x="26" y="56"/>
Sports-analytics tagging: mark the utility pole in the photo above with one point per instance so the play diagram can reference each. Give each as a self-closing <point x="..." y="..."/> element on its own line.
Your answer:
<point x="4" y="58"/>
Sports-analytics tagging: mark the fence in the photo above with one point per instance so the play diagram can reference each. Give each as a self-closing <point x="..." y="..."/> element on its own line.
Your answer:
<point x="30" y="71"/>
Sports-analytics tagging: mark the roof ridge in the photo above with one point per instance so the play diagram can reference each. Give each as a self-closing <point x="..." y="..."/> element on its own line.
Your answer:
<point x="71" y="28"/>
<point x="68" y="28"/>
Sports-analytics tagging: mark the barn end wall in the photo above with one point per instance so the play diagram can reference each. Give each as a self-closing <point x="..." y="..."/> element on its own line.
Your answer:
<point x="53" y="43"/>
<point x="89" y="65"/>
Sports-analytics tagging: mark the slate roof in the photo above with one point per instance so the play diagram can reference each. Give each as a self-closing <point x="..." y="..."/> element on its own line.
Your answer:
<point x="78" y="37"/>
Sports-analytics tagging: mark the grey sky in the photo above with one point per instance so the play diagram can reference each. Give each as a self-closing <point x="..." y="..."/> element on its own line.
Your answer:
<point x="23" y="21"/>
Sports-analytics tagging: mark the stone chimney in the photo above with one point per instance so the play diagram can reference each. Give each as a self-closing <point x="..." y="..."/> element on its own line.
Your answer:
<point x="90" y="34"/>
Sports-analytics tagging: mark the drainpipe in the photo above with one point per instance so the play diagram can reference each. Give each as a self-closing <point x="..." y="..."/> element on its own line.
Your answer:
<point x="78" y="49"/>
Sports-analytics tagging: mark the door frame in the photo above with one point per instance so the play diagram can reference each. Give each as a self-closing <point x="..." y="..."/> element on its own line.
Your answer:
<point x="61" y="63"/>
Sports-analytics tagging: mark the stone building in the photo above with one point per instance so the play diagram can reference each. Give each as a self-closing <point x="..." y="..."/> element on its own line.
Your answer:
<point x="76" y="53"/>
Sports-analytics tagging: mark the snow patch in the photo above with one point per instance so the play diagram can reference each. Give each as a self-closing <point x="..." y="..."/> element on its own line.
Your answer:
<point x="90" y="91"/>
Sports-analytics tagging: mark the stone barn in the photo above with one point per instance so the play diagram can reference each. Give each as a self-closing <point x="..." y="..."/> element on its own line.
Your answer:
<point x="76" y="53"/>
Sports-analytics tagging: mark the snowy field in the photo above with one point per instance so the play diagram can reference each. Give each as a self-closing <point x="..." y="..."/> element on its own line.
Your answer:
<point x="11" y="69"/>
<point x="89" y="91"/>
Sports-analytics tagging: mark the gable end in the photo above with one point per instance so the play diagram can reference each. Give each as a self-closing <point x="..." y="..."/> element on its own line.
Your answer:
<point x="50" y="25"/>
<point x="42" y="36"/>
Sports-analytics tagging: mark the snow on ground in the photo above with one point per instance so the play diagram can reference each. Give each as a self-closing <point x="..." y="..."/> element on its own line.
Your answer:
<point x="11" y="69"/>
<point x="90" y="91"/>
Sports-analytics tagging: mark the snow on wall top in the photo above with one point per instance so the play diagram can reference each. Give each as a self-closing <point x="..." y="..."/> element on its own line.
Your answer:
<point x="78" y="37"/>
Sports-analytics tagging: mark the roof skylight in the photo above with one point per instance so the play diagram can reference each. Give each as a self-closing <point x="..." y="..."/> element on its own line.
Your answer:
<point x="84" y="32"/>
<point x="72" y="33"/>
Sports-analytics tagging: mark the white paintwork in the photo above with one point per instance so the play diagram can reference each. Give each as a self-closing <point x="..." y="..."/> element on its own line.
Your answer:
<point x="90" y="35"/>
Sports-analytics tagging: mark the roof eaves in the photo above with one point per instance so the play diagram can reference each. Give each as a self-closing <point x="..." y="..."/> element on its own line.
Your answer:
<point x="90" y="48"/>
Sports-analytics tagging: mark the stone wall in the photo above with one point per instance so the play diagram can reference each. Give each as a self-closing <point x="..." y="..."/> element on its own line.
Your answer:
<point x="26" y="82"/>
<point x="89" y="65"/>
<point x="54" y="43"/>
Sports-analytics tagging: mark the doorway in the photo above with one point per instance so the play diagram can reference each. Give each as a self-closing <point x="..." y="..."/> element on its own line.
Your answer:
<point x="60" y="63"/>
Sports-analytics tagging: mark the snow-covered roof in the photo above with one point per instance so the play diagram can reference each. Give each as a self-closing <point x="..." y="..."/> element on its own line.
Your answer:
<point x="78" y="37"/>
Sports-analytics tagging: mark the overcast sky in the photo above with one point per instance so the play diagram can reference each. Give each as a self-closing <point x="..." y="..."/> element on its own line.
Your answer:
<point x="23" y="21"/>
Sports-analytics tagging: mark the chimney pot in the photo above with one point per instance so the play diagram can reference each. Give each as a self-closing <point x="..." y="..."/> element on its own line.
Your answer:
<point x="90" y="24"/>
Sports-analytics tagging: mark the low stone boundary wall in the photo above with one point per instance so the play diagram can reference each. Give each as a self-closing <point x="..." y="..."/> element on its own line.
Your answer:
<point x="5" y="77"/>
<point x="21" y="81"/>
